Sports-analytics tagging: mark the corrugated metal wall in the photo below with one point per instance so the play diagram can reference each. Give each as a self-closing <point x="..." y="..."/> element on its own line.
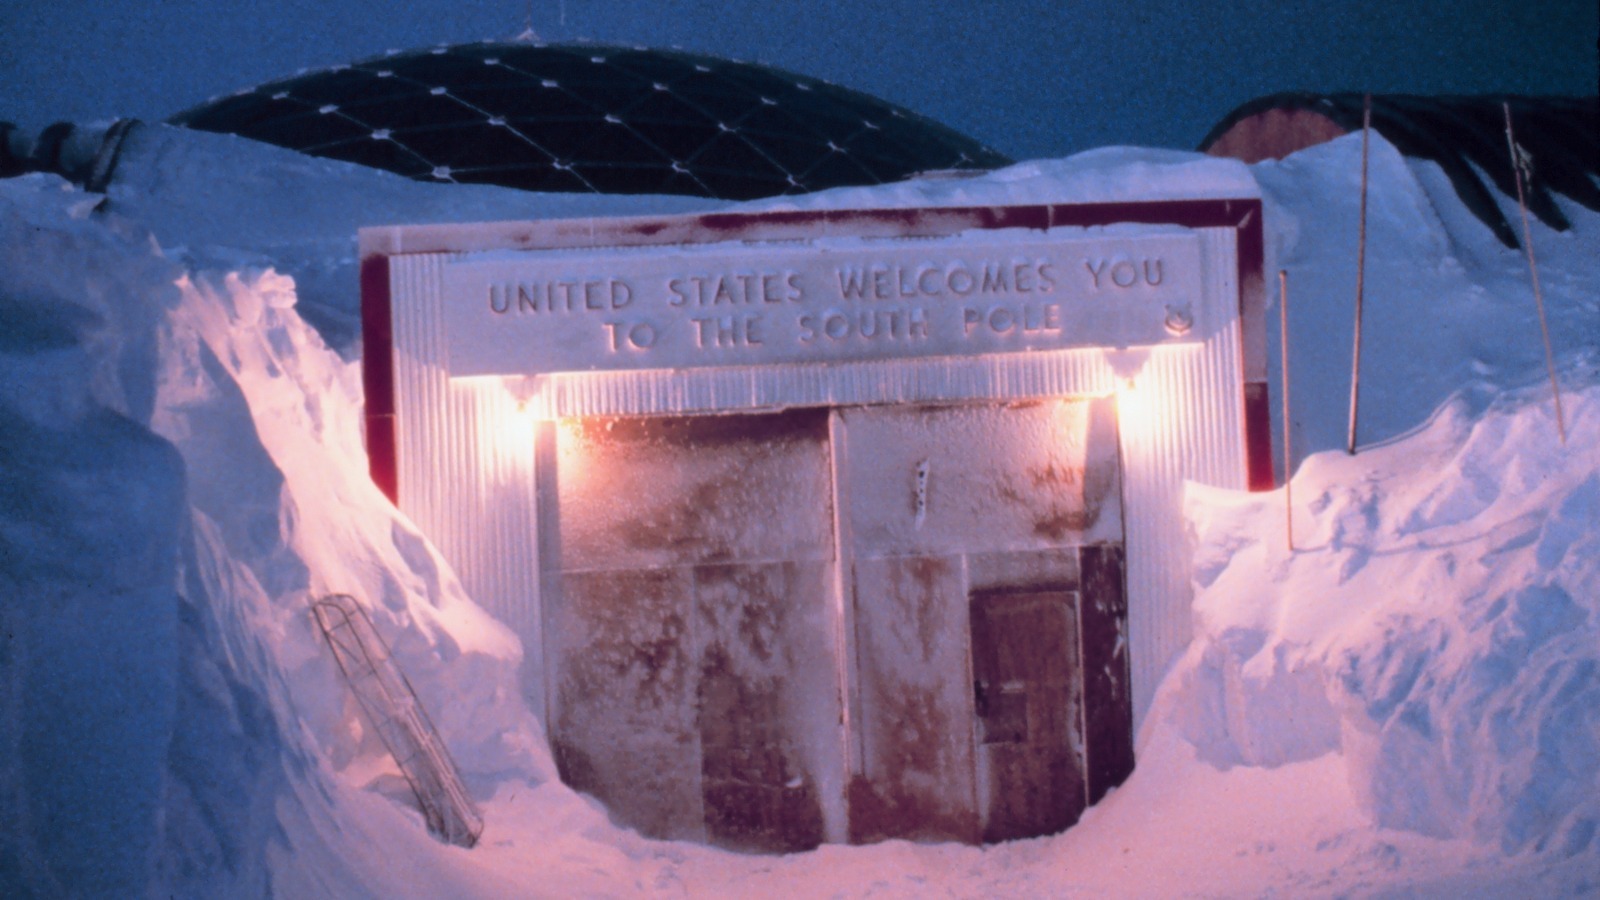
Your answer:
<point x="465" y="453"/>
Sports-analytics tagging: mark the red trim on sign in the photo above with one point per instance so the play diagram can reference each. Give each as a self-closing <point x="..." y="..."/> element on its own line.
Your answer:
<point x="383" y="455"/>
<point x="1251" y="254"/>
<point x="1185" y="213"/>
<point x="377" y="375"/>
<point x="1258" y="435"/>
<point x="640" y="231"/>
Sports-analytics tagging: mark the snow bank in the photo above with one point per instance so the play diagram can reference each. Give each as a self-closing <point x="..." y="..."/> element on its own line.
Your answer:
<point x="91" y="510"/>
<point x="1447" y="306"/>
<point x="183" y="474"/>
<point x="1437" y="627"/>
<point x="1106" y="175"/>
<point x="1438" y="622"/>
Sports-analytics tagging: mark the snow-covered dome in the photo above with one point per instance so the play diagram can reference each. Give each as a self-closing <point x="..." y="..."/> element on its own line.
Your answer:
<point x="590" y="117"/>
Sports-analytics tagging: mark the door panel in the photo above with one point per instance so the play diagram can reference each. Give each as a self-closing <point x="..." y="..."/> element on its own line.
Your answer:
<point x="643" y="492"/>
<point x="759" y="790"/>
<point x="1028" y="685"/>
<point x="972" y="478"/>
<point x="943" y="505"/>
<point x="624" y="726"/>
<point x="915" y="724"/>
<point x="689" y="631"/>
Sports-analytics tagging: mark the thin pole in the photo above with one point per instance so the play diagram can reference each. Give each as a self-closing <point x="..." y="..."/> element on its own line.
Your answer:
<point x="1361" y="272"/>
<point x="1519" y="160"/>
<point x="1288" y="457"/>
<point x="528" y="34"/>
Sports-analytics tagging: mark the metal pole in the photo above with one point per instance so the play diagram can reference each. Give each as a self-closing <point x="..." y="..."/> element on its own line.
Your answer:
<point x="1288" y="457"/>
<point x="1361" y="272"/>
<point x="1519" y="160"/>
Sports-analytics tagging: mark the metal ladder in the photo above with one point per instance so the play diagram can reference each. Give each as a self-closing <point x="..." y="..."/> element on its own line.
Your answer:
<point x="391" y="706"/>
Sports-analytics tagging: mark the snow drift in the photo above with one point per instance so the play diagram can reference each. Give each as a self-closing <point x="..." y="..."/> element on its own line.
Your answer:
<point x="181" y="470"/>
<point x="1438" y="623"/>
<point x="184" y="472"/>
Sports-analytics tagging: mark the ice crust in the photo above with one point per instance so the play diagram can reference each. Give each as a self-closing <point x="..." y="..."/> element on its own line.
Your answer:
<point x="1405" y="704"/>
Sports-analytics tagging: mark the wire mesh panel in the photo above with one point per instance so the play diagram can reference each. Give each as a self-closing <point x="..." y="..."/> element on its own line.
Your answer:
<point x="391" y="706"/>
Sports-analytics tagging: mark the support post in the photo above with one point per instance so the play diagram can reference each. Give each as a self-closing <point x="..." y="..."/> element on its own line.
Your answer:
<point x="1288" y="456"/>
<point x="1520" y="165"/>
<point x="1361" y="272"/>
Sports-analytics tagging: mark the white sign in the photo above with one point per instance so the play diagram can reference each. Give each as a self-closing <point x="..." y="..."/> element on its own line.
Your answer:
<point x="820" y="300"/>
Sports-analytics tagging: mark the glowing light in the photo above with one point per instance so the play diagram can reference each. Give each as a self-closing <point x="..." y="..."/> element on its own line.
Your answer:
<point x="1135" y="407"/>
<point x="576" y="452"/>
<point x="514" y="433"/>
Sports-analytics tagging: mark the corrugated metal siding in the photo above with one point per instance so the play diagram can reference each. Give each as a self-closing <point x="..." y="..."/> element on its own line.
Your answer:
<point x="1162" y="448"/>
<point x="1164" y="444"/>
<point x="467" y="478"/>
<point x="465" y="461"/>
<point x="1068" y="372"/>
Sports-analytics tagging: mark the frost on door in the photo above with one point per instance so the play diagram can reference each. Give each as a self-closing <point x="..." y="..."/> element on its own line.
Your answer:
<point x="729" y="660"/>
<point x="982" y="545"/>
<point x="687" y="568"/>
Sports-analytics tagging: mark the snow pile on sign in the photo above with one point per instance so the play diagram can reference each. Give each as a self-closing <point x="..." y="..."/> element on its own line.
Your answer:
<point x="1406" y="702"/>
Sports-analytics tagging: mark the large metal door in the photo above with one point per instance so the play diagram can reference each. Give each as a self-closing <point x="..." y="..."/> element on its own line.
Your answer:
<point x="956" y="518"/>
<point x="715" y="587"/>
<point x="687" y="583"/>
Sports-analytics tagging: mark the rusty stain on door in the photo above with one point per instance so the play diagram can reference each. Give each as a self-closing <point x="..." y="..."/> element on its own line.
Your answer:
<point x="686" y="615"/>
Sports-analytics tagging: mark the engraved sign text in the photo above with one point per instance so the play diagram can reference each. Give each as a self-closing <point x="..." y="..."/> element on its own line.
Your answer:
<point x="827" y="300"/>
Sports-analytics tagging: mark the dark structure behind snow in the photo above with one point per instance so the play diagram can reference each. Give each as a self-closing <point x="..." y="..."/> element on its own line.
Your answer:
<point x="593" y="118"/>
<point x="83" y="154"/>
<point x="1464" y="135"/>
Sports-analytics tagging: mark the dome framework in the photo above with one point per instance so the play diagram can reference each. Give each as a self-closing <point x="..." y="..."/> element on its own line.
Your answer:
<point x="593" y="118"/>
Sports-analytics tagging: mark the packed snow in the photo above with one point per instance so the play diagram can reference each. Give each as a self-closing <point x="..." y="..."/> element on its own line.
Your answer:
<point x="1405" y="703"/>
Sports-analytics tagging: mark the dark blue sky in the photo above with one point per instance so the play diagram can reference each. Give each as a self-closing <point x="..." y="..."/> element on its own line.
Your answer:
<point x="1029" y="77"/>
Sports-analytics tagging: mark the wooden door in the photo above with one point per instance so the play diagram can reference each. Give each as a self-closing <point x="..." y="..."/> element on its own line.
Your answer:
<point x="1027" y="682"/>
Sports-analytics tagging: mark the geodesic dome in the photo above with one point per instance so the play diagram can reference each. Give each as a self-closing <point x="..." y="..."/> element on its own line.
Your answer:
<point x="593" y="118"/>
